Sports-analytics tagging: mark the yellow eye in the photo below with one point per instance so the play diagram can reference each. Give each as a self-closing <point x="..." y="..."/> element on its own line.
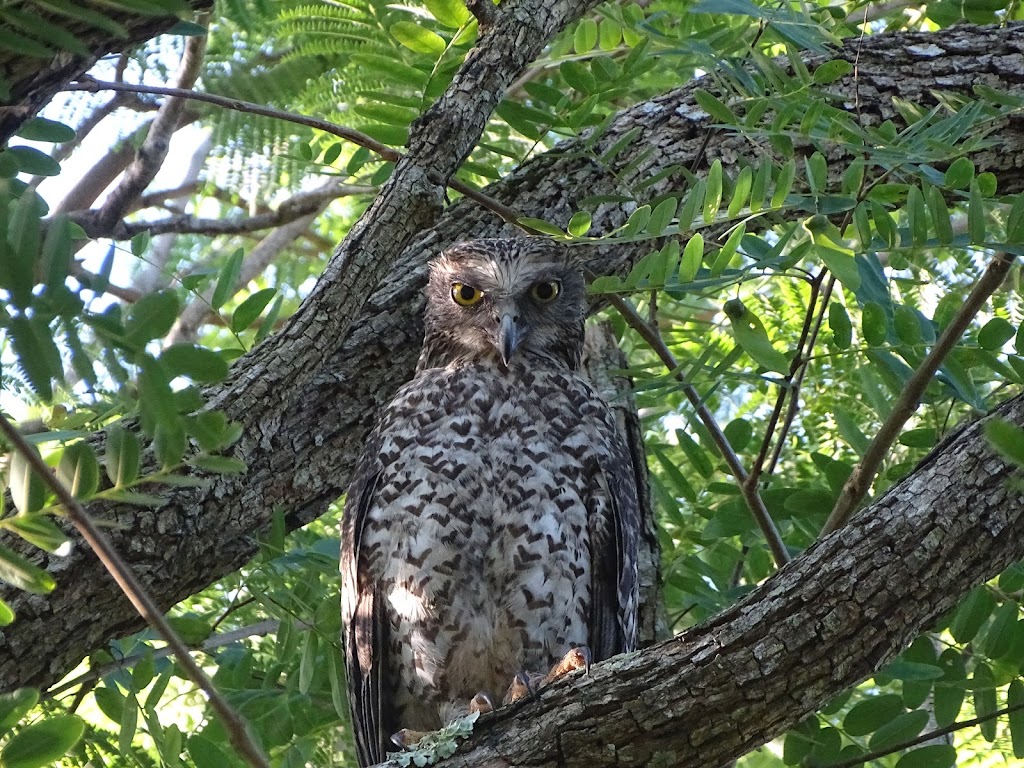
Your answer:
<point x="547" y="291"/>
<point x="466" y="295"/>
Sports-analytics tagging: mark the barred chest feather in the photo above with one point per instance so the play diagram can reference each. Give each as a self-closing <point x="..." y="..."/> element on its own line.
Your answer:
<point x="489" y="502"/>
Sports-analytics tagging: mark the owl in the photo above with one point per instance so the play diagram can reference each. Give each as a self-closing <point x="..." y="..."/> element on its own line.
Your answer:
<point x="490" y="531"/>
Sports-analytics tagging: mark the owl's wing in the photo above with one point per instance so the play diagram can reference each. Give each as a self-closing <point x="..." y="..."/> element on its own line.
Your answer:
<point x="615" y="536"/>
<point x="365" y="625"/>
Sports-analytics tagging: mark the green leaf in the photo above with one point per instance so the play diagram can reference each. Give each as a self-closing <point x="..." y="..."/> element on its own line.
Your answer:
<point x="739" y="433"/>
<point x="134" y="497"/>
<point x="784" y="184"/>
<point x="223" y="465"/>
<point x="227" y="278"/>
<point x="713" y="193"/>
<point x="841" y="264"/>
<point x="37" y="530"/>
<point x="1007" y="439"/>
<point x="578" y="77"/>
<point x="995" y="333"/>
<point x="751" y="335"/>
<point x="693" y="255"/>
<point x="451" y="13"/>
<point x="15" y="704"/>
<point x="417" y="38"/>
<point x="931" y="756"/>
<point x="985" y="703"/>
<point x="901" y="728"/>
<point x="579" y="224"/>
<point x="907" y="325"/>
<point x="6" y="614"/>
<point x="840" y="325"/>
<point x="874" y="325"/>
<point x="951" y="690"/>
<point x="307" y="665"/>
<point x="960" y="174"/>
<point x="831" y="71"/>
<point x="193" y="630"/>
<point x="151" y="317"/>
<point x="999" y="634"/>
<point x="719" y="111"/>
<point x="972" y="613"/>
<point x="121" y="456"/>
<point x="197" y="363"/>
<point x="680" y="485"/>
<point x="19" y="572"/>
<point x="541" y="226"/>
<point x="28" y="489"/>
<point x="41" y="129"/>
<point x="42" y="743"/>
<point x="1015" y="701"/>
<point x="128" y="725"/>
<point x="33" y="162"/>
<point x="662" y="216"/>
<point x="79" y="470"/>
<point x="585" y="36"/>
<point x="140" y="243"/>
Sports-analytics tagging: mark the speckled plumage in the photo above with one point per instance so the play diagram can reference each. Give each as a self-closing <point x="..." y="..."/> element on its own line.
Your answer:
<point x="491" y="524"/>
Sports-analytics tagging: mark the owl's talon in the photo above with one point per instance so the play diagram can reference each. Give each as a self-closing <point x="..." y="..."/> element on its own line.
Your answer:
<point x="481" y="704"/>
<point x="577" y="658"/>
<point x="407" y="738"/>
<point x="520" y="687"/>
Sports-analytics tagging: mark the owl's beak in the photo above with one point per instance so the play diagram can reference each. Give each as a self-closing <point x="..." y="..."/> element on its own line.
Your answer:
<point x="510" y="334"/>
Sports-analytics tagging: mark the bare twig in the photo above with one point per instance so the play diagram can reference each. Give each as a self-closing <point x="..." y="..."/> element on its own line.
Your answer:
<point x="794" y="402"/>
<point x="136" y="593"/>
<point x="151" y="154"/>
<point x="300" y="205"/>
<point x="356" y="137"/>
<point x="750" y="494"/>
<point x="799" y="361"/>
<point x="858" y="483"/>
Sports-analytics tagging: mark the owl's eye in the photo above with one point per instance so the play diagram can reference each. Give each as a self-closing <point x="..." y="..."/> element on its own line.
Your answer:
<point x="547" y="291"/>
<point x="466" y="295"/>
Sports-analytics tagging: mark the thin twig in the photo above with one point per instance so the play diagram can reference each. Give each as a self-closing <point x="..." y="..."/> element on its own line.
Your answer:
<point x="794" y="393"/>
<point x="349" y="134"/>
<point x="139" y="597"/>
<point x="798" y="362"/>
<point x="859" y="481"/>
<point x="750" y="494"/>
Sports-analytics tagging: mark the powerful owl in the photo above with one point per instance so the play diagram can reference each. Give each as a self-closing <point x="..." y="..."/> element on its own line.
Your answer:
<point x="491" y="528"/>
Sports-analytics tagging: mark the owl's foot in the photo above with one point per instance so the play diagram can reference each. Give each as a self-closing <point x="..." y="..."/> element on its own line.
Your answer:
<point x="523" y="685"/>
<point x="577" y="658"/>
<point x="481" y="704"/>
<point x="407" y="738"/>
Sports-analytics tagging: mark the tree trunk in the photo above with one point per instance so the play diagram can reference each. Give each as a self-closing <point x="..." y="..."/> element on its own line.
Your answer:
<point x="307" y="399"/>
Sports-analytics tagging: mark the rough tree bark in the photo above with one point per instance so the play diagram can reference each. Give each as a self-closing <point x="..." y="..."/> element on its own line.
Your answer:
<point x="33" y="82"/>
<point x="302" y="435"/>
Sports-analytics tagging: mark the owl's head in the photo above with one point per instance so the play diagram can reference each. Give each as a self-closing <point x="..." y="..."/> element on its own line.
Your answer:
<point x="501" y="301"/>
